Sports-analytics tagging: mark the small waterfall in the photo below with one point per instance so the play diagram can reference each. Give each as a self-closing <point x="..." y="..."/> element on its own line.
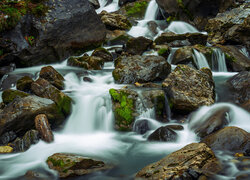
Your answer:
<point x="244" y="51"/>
<point x="180" y="27"/>
<point x="109" y="7"/>
<point x="218" y="61"/>
<point x="200" y="59"/>
<point x="171" y="55"/>
<point x="141" y="29"/>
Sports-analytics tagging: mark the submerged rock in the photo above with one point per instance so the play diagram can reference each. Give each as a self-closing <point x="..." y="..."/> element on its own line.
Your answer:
<point x="51" y="75"/>
<point x="138" y="45"/>
<point x="190" y="162"/>
<point x="163" y="133"/>
<point x="131" y="69"/>
<point x="189" y="89"/>
<point x="24" y="84"/>
<point x="19" y="115"/>
<point x="114" y="21"/>
<point x="43" y="127"/>
<point x="68" y="165"/>
<point x="9" y="95"/>
<point x="229" y="139"/>
<point x="124" y="107"/>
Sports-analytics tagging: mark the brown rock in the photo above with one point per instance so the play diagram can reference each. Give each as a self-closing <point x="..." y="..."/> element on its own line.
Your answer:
<point x="43" y="127"/>
<point x="24" y="84"/>
<point x="138" y="45"/>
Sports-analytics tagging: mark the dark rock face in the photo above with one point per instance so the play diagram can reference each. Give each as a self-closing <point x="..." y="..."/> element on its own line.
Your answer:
<point x="103" y="53"/>
<point x="24" y="143"/>
<point x="163" y="134"/>
<point x="51" y="75"/>
<point x="229" y="139"/>
<point x="138" y="45"/>
<point x="194" y="12"/>
<point x="211" y="123"/>
<point x="235" y="60"/>
<point x="43" y="127"/>
<point x="231" y="27"/>
<point x="189" y="89"/>
<point x="122" y="2"/>
<point x="140" y="69"/>
<point x="190" y="162"/>
<point x="141" y="126"/>
<point x="60" y="33"/>
<point x="24" y="84"/>
<point x="68" y="165"/>
<point x="239" y="84"/>
<point x="19" y="115"/>
<point x="7" y="137"/>
<point x="95" y="3"/>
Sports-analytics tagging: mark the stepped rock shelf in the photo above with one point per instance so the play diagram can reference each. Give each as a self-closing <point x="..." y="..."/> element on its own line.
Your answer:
<point x="124" y="89"/>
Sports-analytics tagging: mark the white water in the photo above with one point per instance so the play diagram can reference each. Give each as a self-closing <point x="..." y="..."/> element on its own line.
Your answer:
<point x="218" y="61"/>
<point x="244" y="51"/>
<point x="200" y="59"/>
<point x="141" y="29"/>
<point x="109" y="8"/>
<point x="180" y="27"/>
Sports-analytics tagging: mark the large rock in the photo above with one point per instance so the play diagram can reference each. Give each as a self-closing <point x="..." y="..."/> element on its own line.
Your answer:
<point x="124" y="107"/>
<point x="51" y="75"/>
<point x="141" y="126"/>
<point x="103" y="53"/>
<point x="9" y="95"/>
<point x="235" y="60"/>
<point x="163" y="133"/>
<point x="189" y="162"/>
<point x="114" y="21"/>
<point x="141" y="69"/>
<point x="68" y="165"/>
<point x="24" y="84"/>
<point x="19" y="115"/>
<point x="58" y="34"/>
<point x="138" y="45"/>
<point x="43" y="88"/>
<point x="189" y="89"/>
<point x="43" y="127"/>
<point x="195" y="12"/>
<point x="229" y="139"/>
<point x="231" y="27"/>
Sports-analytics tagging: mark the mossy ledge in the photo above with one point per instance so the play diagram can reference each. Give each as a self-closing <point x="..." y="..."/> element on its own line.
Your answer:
<point x="137" y="10"/>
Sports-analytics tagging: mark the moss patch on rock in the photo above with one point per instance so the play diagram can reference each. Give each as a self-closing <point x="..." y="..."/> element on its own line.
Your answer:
<point x="137" y="10"/>
<point x="9" y="95"/>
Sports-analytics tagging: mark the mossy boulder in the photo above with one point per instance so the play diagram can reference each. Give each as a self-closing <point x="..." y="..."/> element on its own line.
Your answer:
<point x="9" y="95"/>
<point x="51" y="75"/>
<point x="138" y="45"/>
<point x="68" y="165"/>
<point x="188" y="89"/>
<point x="136" y="9"/>
<point x="103" y="53"/>
<point x="114" y="21"/>
<point x="24" y="84"/>
<point x="124" y="107"/>
<point x="86" y="62"/>
<point x="43" y="88"/>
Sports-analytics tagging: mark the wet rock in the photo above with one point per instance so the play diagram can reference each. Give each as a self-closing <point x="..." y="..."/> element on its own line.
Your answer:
<point x="192" y="38"/>
<point x="24" y="143"/>
<point x="43" y="127"/>
<point x="148" y="85"/>
<point x="138" y="45"/>
<point x="229" y="139"/>
<point x="6" y="69"/>
<point x="87" y="79"/>
<point x="51" y="75"/>
<point x="183" y="55"/>
<point x="164" y="52"/>
<point x="188" y="89"/>
<point x="117" y="37"/>
<point x="210" y="122"/>
<point x="5" y="149"/>
<point x="230" y="27"/>
<point x="175" y="127"/>
<point x="70" y="27"/>
<point x="124" y="107"/>
<point x="235" y="60"/>
<point x="140" y="69"/>
<point x="152" y="26"/>
<point x="239" y="85"/>
<point x="141" y="126"/>
<point x="190" y="162"/>
<point x="86" y="62"/>
<point x="155" y="99"/>
<point x="163" y="133"/>
<point x="24" y="84"/>
<point x="7" y="137"/>
<point x="103" y="53"/>
<point x="95" y="3"/>
<point x="68" y="165"/>
<point x="114" y="21"/>
<point x="9" y="95"/>
<point x="44" y="89"/>
<point x="19" y="115"/>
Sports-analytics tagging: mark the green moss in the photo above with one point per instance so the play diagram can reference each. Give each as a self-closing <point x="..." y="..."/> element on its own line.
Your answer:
<point x="163" y="52"/>
<point x="170" y="19"/>
<point x="138" y="9"/>
<point x="116" y="75"/>
<point x="60" y="163"/>
<point x="123" y="108"/>
<point x="9" y="95"/>
<point x="230" y="58"/>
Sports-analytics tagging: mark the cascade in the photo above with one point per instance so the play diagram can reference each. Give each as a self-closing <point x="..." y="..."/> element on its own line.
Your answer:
<point x="200" y="59"/>
<point x="218" y="61"/>
<point x="106" y="6"/>
<point x="180" y="27"/>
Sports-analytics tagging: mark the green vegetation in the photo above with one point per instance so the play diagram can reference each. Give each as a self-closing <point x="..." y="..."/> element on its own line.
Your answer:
<point x="138" y="9"/>
<point x="12" y="11"/>
<point x="1" y="52"/>
<point x="230" y="58"/>
<point x="124" y="108"/>
<point x="9" y="95"/>
<point x="163" y="52"/>
<point x="170" y="19"/>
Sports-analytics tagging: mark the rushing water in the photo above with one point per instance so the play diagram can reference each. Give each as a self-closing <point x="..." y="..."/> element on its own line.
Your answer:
<point x="218" y="61"/>
<point x="89" y="129"/>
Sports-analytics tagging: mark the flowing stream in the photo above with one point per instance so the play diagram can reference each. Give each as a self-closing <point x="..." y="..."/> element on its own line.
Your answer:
<point x="88" y="131"/>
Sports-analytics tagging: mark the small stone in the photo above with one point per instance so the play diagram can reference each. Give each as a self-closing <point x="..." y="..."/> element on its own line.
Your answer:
<point x="43" y="127"/>
<point x="5" y="149"/>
